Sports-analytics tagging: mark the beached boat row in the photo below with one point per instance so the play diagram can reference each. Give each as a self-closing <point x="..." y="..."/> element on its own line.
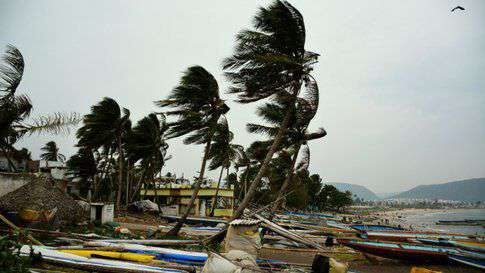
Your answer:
<point x="417" y="252"/>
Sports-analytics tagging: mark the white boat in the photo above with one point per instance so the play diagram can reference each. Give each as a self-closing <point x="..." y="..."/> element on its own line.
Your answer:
<point x="100" y="265"/>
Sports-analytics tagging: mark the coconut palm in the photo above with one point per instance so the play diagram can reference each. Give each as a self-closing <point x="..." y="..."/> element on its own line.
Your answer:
<point x="197" y="108"/>
<point x="51" y="152"/>
<point x="297" y="134"/>
<point x="15" y="109"/>
<point x="250" y="159"/>
<point x="270" y="61"/>
<point x="222" y="153"/>
<point x="106" y="127"/>
<point x="83" y="166"/>
<point x="146" y="143"/>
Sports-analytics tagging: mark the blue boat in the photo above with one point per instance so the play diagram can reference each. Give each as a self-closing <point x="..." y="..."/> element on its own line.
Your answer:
<point x="363" y="227"/>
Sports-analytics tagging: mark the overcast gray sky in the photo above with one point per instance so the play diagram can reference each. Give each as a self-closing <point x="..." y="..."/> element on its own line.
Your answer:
<point x="402" y="82"/>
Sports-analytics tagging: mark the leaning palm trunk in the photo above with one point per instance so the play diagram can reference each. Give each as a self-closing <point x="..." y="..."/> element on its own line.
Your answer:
<point x="127" y="195"/>
<point x="175" y="230"/>
<point x="120" y="173"/>
<point x="244" y="188"/>
<point x="262" y="170"/>
<point x="214" y="205"/>
<point x="138" y="185"/>
<point x="289" y="176"/>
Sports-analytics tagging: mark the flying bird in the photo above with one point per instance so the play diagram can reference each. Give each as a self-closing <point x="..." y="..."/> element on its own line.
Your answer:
<point x="457" y="8"/>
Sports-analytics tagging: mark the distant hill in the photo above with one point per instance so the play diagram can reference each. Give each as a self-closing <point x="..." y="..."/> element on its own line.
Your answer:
<point x="361" y="191"/>
<point x="471" y="190"/>
<point x="384" y="195"/>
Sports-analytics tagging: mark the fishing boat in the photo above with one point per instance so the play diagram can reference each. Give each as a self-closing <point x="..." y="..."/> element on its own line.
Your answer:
<point x="338" y="225"/>
<point x="410" y="252"/>
<point x="161" y="253"/>
<point x="93" y="264"/>
<point x="473" y="259"/>
<point x="466" y="222"/>
<point x="408" y="236"/>
<point x="435" y="242"/>
<point x="364" y="227"/>
<point x="212" y="222"/>
<point x="311" y="215"/>
<point x="469" y="245"/>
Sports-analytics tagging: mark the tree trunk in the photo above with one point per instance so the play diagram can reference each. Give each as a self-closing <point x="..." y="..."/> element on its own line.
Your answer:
<point x="262" y="170"/>
<point x="283" y="188"/>
<point x="120" y="173"/>
<point x="155" y="189"/>
<point x="175" y="230"/>
<point x="142" y="175"/>
<point x="214" y="204"/>
<point x="243" y="188"/>
<point x="127" y="197"/>
<point x="11" y="166"/>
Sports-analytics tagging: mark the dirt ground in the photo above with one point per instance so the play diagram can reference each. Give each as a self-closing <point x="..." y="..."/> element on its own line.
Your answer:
<point x="406" y="268"/>
<point x="357" y="261"/>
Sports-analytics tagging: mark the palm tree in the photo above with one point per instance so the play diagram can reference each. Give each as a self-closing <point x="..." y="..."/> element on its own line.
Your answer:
<point x="197" y="108"/>
<point x="222" y="153"/>
<point x="16" y="109"/>
<point x="146" y="143"/>
<point x="83" y="165"/>
<point x="270" y="61"/>
<point x="250" y="159"/>
<point x="106" y="127"/>
<point x="297" y="134"/>
<point x="51" y="152"/>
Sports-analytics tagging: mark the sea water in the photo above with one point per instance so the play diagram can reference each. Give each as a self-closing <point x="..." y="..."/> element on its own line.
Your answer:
<point x="428" y="220"/>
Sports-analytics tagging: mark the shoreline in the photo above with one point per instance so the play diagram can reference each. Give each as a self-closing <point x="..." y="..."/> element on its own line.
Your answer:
<point x="423" y="219"/>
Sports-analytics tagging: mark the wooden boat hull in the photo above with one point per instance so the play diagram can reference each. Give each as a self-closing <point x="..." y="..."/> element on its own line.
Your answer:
<point x="91" y="264"/>
<point x="405" y="236"/>
<point x="435" y="242"/>
<point x="470" y="260"/>
<point x="472" y="246"/>
<point x="362" y="227"/>
<point x="415" y="253"/>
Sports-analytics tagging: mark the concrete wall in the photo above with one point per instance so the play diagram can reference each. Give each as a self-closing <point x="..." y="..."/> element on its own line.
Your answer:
<point x="12" y="181"/>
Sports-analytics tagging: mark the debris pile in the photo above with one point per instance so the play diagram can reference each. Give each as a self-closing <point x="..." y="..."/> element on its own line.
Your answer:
<point x="41" y="195"/>
<point x="143" y="206"/>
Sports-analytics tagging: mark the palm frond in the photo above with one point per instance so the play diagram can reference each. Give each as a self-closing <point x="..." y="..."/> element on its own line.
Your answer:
<point x="55" y="123"/>
<point x="271" y="58"/>
<point x="261" y="129"/>
<point x="304" y="161"/>
<point x="321" y="132"/>
<point x="12" y="71"/>
<point x="195" y="105"/>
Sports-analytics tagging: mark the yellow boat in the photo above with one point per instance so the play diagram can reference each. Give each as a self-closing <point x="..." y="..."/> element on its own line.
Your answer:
<point x="133" y="257"/>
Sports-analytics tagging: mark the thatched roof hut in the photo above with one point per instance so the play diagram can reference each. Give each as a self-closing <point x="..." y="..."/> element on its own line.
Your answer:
<point x="42" y="195"/>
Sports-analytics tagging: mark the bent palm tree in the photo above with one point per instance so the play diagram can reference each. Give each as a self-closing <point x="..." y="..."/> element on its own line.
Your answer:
<point x="147" y="143"/>
<point x="296" y="136"/>
<point x="83" y="165"/>
<point x="16" y="109"/>
<point x="251" y="159"/>
<point x="106" y="127"/>
<point x="271" y="61"/>
<point x="51" y="152"/>
<point x="222" y="153"/>
<point x="197" y="108"/>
